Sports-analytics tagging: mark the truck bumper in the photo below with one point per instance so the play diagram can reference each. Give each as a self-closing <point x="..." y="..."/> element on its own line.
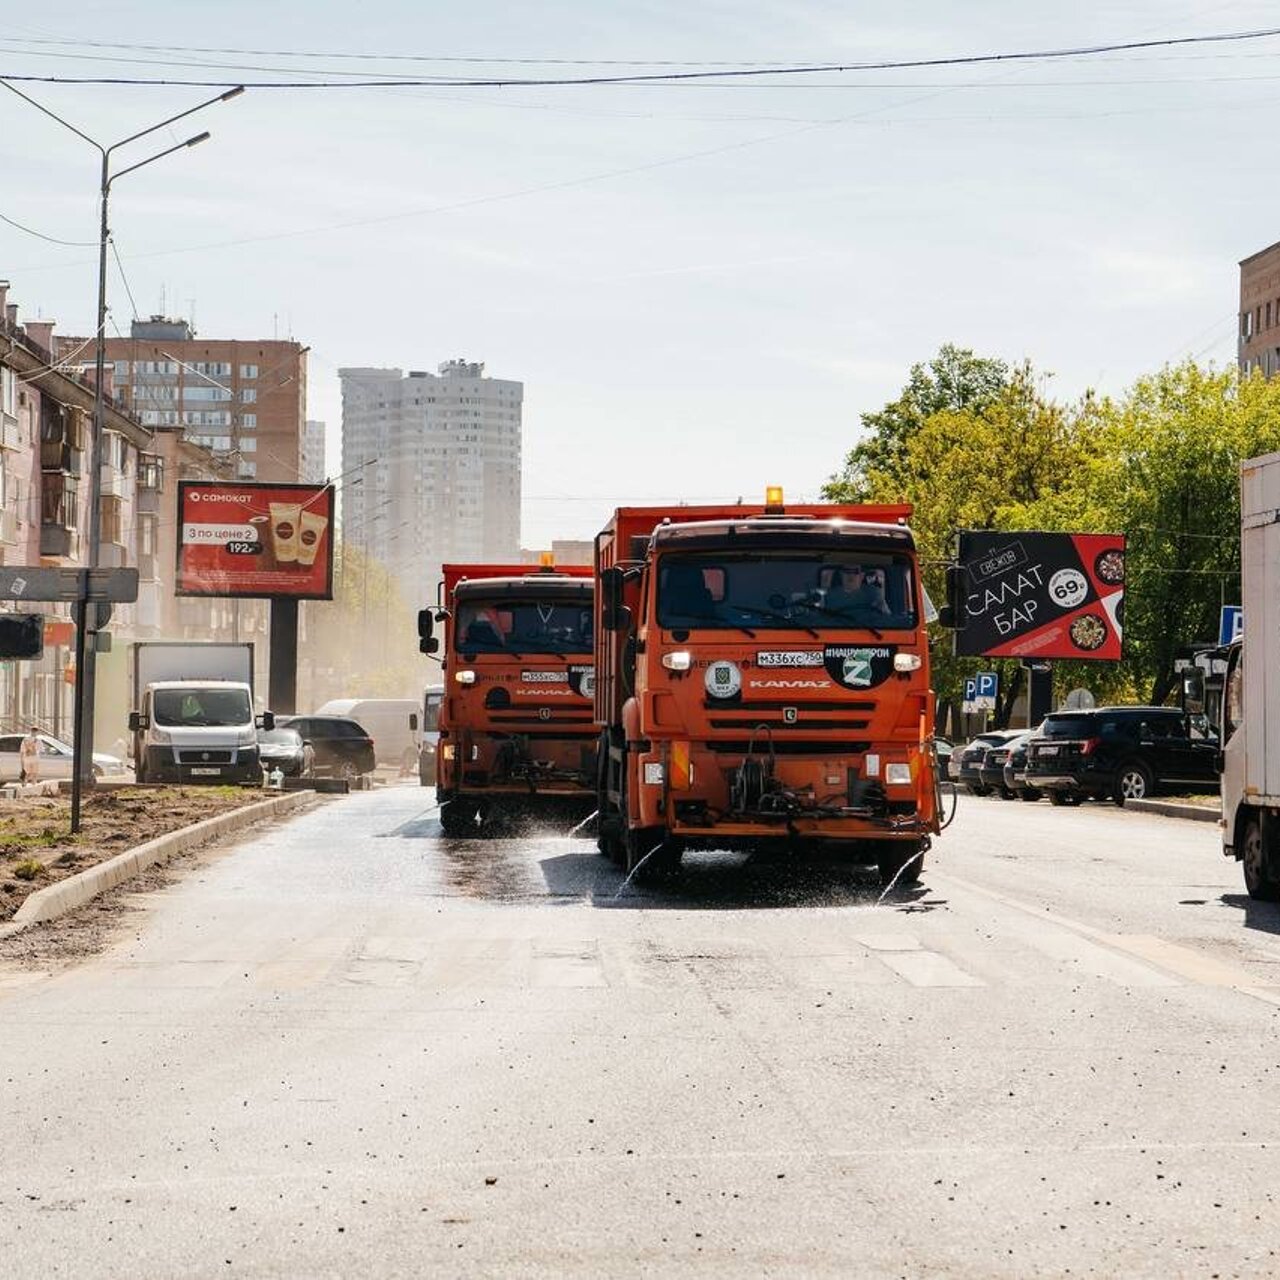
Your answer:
<point x="179" y="764"/>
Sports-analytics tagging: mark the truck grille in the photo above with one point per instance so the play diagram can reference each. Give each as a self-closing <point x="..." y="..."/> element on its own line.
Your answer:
<point x="204" y="757"/>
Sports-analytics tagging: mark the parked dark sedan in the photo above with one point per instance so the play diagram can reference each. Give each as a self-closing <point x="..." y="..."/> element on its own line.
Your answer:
<point x="966" y="763"/>
<point x="1015" y="769"/>
<point x="285" y="750"/>
<point x="340" y="747"/>
<point x="993" y="767"/>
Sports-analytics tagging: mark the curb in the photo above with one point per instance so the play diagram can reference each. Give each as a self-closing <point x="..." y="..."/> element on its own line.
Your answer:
<point x="1166" y="809"/>
<point x="58" y="899"/>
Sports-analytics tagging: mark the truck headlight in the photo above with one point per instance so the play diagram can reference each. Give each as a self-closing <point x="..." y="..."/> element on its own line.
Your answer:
<point x="897" y="775"/>
<point x="678" y="660"/>
<point x="465" y="677"/>
<point x="907" y="662"/>
<point x="246" y="738"/>
<point x="161" y="737"/>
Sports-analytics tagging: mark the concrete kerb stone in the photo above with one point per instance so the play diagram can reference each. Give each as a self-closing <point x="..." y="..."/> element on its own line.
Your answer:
<point x="1167" y="809"/>
<point x="58" y="899"/>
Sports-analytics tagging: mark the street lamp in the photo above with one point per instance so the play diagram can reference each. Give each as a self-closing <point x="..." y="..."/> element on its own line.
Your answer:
<point x="84" y="690"/>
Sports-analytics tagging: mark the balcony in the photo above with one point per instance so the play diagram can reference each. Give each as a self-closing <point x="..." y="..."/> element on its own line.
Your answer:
<point x="147" y="502"/>
<point x="10" y="438"/>
<point x="56" y="540"/>
<point x="114" y="484"/>
<point x="113" y="556"/>
<point x="58" y="455"/>
<point x="8" y="528"/>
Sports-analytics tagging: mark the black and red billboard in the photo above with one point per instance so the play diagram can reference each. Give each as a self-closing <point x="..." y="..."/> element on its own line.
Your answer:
<point x="1041" y="595"/>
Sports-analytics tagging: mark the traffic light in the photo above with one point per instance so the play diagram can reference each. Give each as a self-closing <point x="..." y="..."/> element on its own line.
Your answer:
<point x="21" y="635"/>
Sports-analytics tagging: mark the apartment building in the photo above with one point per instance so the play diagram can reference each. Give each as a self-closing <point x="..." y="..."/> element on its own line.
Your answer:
<point x="243" y="398"/>
<point x="1259" y="337"/>
<point x="311" y="466"/>
<point x="431" y="467"/>
<point x="46" y="414"/>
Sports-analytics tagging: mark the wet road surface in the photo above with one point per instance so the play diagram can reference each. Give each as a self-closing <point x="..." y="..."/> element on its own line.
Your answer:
<point x="350" y="1044"/>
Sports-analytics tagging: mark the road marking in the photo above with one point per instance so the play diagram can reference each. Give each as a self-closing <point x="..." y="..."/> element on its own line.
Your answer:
<point x="1170" y="957"/>
<point x="928" y="969"/>
<point x="888" y="941"/>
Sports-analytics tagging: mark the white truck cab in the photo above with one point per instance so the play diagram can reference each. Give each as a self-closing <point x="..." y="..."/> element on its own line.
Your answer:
<point x="189" y="731"/>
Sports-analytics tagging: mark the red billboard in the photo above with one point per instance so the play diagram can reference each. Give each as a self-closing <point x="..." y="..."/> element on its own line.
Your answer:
<point x="1041" y="595"/>
<point x="255" y="540"/>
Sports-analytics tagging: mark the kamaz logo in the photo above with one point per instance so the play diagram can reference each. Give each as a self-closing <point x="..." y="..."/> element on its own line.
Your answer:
<point x="544" y="713"/>
<point x="790" y="715"/>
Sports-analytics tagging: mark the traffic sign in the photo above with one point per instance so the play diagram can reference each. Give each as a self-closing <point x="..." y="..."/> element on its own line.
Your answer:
<point x="980" y="691"/>
<point x="21" y="582"/>
<point x="1231" y="624"/>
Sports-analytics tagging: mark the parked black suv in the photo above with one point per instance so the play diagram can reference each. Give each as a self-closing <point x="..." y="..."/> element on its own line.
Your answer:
<point x="340" y="747"/>
<point x="1118" y="753"/>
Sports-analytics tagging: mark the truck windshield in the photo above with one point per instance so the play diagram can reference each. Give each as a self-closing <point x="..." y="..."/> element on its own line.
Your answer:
<point x="201" y="708"/>
<point x="523" y="626"/>
<point x="787" y="589"/>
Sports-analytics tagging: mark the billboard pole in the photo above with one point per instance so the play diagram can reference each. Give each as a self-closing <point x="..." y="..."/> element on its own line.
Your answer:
<point x="282" y="688"/>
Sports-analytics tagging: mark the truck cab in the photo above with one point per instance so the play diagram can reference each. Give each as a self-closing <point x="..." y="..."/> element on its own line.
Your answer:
<point x="764" y="680"/>
<point x="515" y="722"/>
<point x="197" y="731"/>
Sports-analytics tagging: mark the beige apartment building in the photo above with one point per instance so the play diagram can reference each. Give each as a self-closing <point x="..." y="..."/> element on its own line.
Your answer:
<point x="46" y="414"/>
<point x="242" y="398"/>
<point x="1259" y="337"/>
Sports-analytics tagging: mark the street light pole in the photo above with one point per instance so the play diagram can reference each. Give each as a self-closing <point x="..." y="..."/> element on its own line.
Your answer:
<point x="82" y="768"/>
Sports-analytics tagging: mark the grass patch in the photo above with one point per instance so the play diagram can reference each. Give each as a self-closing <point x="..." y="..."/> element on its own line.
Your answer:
<point x="29" y="869"/>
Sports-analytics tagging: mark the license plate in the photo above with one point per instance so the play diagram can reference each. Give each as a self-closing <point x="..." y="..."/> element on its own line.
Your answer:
<point x="205" y="773"/>
<point x="1047" y="751"/>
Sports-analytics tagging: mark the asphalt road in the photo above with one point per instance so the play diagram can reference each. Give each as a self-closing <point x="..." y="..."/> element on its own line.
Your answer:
<point x="349" y="1046"/>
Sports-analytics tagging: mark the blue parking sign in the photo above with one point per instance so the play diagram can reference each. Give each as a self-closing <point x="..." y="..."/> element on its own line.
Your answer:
<point x="987" y="684"/>
<point x="1231" y="624"/>
<point x="970" y="689"/>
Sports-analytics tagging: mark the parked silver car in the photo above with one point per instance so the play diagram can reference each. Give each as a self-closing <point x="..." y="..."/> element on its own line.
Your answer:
<point x="56" y="759"/>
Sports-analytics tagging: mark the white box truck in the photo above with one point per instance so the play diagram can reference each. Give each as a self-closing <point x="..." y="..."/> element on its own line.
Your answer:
<point x="1251" y="703"/>
<point x="192" y="718"/>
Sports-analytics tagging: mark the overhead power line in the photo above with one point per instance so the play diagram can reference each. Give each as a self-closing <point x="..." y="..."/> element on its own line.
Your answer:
<point x="40" y="235"/>
<point x="703" y="74"/>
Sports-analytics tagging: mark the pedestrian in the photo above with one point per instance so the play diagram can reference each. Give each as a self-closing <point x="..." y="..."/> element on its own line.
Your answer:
<point x="29" y="757"/>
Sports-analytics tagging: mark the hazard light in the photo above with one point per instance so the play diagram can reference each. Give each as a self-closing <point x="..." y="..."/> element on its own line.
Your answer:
<point x="773" y="501"/>
<point x="547" y="559"/>
<point x="679" y="660"/>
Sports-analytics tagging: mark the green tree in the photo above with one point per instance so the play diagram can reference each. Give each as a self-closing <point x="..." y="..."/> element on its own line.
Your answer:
<point x="1164" y="469"/>
<point x="954" y="380"/>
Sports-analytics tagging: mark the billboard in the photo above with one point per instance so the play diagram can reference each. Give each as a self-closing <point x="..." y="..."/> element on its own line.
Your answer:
<point x="1041" y="595"/>
<point x="255" y="540"/>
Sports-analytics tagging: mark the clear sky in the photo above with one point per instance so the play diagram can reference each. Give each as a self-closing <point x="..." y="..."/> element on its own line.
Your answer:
<point x="701" y="287"/>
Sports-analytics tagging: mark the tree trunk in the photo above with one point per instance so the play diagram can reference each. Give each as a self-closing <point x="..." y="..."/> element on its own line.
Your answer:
<point x="1004" y="706"/>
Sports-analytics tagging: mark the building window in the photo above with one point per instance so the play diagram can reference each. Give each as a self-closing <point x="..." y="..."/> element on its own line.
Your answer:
<point x="248" y="370"/>
<point x="111" y="509"/>
<point x="60" y="500"/>
<point x="150" y="472"/>
<point x="248" y="445"/>
<point x="249" y="421"/>
<point x="249" y="395"/>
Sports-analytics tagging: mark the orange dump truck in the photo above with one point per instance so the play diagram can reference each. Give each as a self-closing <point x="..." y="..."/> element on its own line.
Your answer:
<point x="762" y="679"/>
<point x="516" y="723"/>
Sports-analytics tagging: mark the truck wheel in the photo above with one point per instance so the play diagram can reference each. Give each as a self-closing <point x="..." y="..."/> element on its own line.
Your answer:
<point x="1258" y="879"/>
<point x="458" y="819"/>
<point x="1133" y="782"/>
<point x="896" y="856"/>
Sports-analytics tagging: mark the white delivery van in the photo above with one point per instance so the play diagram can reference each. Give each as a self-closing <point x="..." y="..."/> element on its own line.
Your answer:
<point x="193" y="717"/>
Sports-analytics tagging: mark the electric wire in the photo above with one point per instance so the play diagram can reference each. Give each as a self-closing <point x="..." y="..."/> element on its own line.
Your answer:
<point x="702" y="74"/>
<point x="40" y="235"/>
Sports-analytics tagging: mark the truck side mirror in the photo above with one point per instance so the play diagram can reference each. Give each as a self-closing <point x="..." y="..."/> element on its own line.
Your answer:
<point x="427" y="642"/>
<point x="614" y="615"/>
<point x="136" y="722"/>
<point x="953" y="614"/>
<point x="266" y="721"/>
<point x="413" y="722"/>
